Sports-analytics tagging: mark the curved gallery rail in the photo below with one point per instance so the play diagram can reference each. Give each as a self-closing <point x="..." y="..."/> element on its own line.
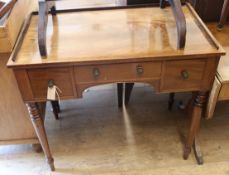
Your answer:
<point x="46" y="5"/>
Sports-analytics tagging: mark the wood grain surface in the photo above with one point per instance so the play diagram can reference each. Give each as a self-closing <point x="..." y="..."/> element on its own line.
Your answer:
<point x="113" y="35"/>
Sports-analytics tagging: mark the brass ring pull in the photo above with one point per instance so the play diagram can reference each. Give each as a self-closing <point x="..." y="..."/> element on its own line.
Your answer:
<point x="96" y="72"/>
<point x="184" y="74"/>
<point x="139" y="70"/>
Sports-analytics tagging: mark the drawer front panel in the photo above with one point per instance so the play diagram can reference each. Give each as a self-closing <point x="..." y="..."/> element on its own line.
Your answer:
<point x="183" y="75"/>
<point x="118" y="72"/>
<point x="62" y="77"/>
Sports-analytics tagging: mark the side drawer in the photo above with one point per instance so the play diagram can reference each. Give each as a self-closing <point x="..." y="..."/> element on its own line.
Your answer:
<point x="62" y="77"/>
<point x="118" y="72"/>
<point x="183" y="75"/>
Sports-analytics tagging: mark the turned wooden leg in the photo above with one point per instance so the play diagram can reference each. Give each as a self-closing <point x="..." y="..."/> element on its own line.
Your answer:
<point x="55" y="108"/>
<point x="195" y="124"/>
<point x="128" y="90"/>
<point x="40" y="131"/>
<point x="171" y="101"/>
<point x="224" y="14"/>
<point x="120" y="94"/>
<point x="189" y="106"/>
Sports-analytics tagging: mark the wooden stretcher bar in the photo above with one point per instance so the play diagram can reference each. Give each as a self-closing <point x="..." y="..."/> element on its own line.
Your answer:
<point x="49" y="5"/>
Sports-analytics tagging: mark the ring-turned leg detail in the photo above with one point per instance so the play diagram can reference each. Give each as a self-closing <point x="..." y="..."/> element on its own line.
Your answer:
<point x="38" y="125"/>
<point x="195" y="124"/>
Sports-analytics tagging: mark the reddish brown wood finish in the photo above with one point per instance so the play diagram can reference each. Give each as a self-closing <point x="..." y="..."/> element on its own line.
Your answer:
<point x="38" y="124"/>
<point x="131" y="53"/>
<point x="195" y="122"/>
<point x="62" y="78"/>
<point x="126" y="72"/>
<point x="173" y="79"/>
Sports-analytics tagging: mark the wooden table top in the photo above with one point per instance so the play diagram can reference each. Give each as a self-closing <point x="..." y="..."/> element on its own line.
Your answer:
<point x="114" y="35"/>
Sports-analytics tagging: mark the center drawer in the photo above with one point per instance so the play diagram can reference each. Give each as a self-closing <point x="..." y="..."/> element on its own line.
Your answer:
<point x="118" y="72"/>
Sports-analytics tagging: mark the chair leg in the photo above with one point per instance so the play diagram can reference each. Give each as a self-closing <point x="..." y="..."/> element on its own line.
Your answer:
<point x="55" y="108"/>
<point x="120" y="94"/>
<point x="128" y="90"/>
<point x="224" y="14"/>
<point x="171" y="101"/>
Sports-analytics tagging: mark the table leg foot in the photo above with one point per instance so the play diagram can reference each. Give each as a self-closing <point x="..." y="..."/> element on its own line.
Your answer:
<point x="195" y="124"/>
<point x="187" y="151"/>
<point x="38" y="125"/>
<point x="224" y="15"/>
<point x="220" y="27"/>
<point x="51" y="164"/>
<point x="198" y="153"/>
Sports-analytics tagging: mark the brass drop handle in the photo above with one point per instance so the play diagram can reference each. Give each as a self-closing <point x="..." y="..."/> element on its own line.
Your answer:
<point x="96" y="72"/>
<point x="51" y="83"/>
<point x="139" y="70"/>
<point x="184" y="74"/>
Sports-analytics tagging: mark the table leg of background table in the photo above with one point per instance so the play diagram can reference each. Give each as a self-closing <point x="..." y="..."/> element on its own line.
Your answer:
<point x="128" y="90"/>
<point x="38" y="125"/>
<point x="120" y="94"/>
<point x="162" y="3"/>
<point x="224" y="14"/>
<point x="171" y="101"/>
<point x="195" y="123"/>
